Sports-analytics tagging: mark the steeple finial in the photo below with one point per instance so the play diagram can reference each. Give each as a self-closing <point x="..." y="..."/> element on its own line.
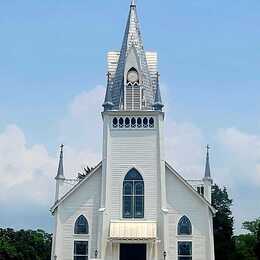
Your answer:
<point x="133" y="3"/>
<point x="60" y="172"/>
<point x="108" y="103"/>
<point x="158" y="105"/>
<point x="207" y="168"/>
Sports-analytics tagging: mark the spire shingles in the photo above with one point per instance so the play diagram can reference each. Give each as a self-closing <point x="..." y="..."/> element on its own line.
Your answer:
<point x="132" y="38"/>
<point x="60" y="172"/>
<point x="207" y="168"/>
<point x="108" y="103"/>
<point x="158" y="105"/>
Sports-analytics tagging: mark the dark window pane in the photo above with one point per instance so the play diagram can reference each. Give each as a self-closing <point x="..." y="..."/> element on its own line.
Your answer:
<point x="121" y="122"/>
<point x="139" y="207"/>
<point x="151" y="122"/>
<point x="184" y="258"/>
<point x="127" y="122"/>
<point x="145" y="122"/>
<point x="139" y="122"/>
<point x="81" y="225"/>
<point x="128" y="188"/>
<point x="184" y="226"/>
<point x="80" y="248"/>
<point x="139" y="188"/>
<point x="184" y="248"/>
<point x="127" y="206"/>
<point x="133" y="122"/>
<point x="80" y="257"/>
<point x="133" y="175"/>
<point x="115" y="121"/>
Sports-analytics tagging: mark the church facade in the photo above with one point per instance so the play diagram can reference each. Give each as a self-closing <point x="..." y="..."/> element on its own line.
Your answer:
<point x="133" y="205"/>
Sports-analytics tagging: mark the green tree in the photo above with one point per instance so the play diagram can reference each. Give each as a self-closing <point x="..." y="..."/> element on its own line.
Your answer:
<point x="24" y="245"/>
<point x="223" y="224"/>
<point x="257" y="245"/>
<point x="244" y="247"/>
<point x="252" y="226"/>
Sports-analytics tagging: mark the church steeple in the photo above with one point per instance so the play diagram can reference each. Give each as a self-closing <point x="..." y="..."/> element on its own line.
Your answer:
<point x="108" y="103"/>
<point x="60" y="172"/>
<point x="158" y="105"/>
<point x="132" y="85"/>
<point x="207" y="168"/>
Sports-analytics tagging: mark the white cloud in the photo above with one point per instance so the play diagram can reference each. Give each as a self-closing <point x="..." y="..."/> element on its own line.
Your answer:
<point x="185" y="148"/>
<point x="23" y="169"/>
<point x="243" y="150"/>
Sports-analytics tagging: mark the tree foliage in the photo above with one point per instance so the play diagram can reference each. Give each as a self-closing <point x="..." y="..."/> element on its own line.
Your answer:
<point x="223" y="224"/>
<point x="24" y="245"/>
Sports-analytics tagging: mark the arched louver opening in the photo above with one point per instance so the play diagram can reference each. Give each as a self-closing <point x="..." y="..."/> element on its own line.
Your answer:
<point x="115" y="122"/>
<point x="127" y="122"/>
<point x="133" y="195"/>
<point x="121" y="122"/>
<point x="151" y="122"/>
<point x="81" y="225"/>
<point x="133" y="122"/>
<point x="184" y="226"/>
<point x="145" y="122"/>
<point x="139" y="122"/>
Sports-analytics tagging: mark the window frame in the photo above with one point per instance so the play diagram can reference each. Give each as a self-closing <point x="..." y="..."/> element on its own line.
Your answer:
<point x="190" y="226"/>
<point x="134" y="203"/>
<point x="79" y="255"/>
<point x="87" y="226"/>
<point x="184" y="257"/>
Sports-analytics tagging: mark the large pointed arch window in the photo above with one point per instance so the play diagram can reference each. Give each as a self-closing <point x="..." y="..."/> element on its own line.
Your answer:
<point x="133" y="195"/>
<point x="184" y="226"/>
<point x="81" y="225"/>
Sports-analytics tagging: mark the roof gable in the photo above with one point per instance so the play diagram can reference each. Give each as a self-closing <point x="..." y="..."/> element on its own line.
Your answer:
<point x="75" y="187"/>
<point x="179" y="177"/>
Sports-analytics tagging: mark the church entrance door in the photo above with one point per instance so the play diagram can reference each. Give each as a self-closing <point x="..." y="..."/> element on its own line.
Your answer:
<point x="132" y="251"/>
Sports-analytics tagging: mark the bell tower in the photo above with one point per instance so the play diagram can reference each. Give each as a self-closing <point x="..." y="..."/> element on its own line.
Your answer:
<point x="133" y="140"/>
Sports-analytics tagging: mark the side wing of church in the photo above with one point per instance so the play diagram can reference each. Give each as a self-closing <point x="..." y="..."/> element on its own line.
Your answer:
<point x="133" y="205"/>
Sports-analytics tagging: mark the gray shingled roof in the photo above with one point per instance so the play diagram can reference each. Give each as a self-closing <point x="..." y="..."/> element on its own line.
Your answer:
<point x="60" y="172"/>
<point x="132" y="38"/>
<point x="207" y="168"/>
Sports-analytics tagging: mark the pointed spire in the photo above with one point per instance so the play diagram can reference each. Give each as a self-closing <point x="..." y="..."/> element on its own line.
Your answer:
<point x="207" y="168"/>
<point x="133" y="3"/>
<point x="132" y="40"/>
<point x="158" y="105"/>
<point x="60" y="172"/>
<point x="108" y="104"/>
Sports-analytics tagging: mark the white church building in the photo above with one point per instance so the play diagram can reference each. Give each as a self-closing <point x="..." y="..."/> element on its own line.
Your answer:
<point x="133" y="205"/>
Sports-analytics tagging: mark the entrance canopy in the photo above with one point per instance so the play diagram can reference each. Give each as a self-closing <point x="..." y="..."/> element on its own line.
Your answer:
<point x="132" y="230"/>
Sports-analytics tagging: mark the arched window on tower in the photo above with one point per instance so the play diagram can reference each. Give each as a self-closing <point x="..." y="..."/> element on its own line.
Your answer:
<point x="81" y="225"/>
<point x="184" y="226"/>
<point x="133" y="91"/>
<point x="133" y="195"/>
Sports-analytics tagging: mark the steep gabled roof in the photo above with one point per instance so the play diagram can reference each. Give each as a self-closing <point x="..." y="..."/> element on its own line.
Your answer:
<point x="74" y="188"/>
<point x="170" y="168"/>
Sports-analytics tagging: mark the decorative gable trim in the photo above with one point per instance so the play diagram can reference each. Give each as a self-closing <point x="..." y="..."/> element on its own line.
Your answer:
<point x="170" y="168"/>
<point x="74" y="188"/>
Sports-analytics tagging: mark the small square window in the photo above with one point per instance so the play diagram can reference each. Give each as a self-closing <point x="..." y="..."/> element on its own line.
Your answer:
<point x="80" y="250"/>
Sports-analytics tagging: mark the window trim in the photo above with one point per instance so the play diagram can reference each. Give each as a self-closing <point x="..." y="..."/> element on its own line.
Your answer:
<point x="133" y="213"/>
<point x="177" y="247"/>
<point x="74" y="226"/>
<point x="88" y="246"/>
<point x="178" y="223"/>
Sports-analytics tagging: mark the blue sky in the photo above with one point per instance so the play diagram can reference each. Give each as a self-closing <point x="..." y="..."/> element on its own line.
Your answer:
<point x="53" y="56"/>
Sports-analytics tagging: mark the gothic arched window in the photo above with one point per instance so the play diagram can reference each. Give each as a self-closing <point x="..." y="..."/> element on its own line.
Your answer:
<point x="133" y="195"/>
<point x="184" y="226"/>
<point x="81" y="225"/>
